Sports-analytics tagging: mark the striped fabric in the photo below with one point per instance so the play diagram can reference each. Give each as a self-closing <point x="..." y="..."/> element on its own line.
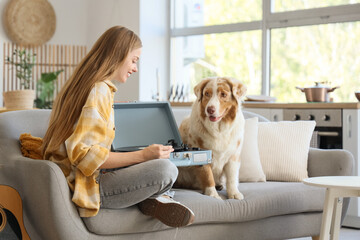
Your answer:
<point x="88" y="147"/>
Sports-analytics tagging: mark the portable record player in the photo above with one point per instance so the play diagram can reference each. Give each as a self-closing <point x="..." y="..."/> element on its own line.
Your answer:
<point x="140" y="124"/>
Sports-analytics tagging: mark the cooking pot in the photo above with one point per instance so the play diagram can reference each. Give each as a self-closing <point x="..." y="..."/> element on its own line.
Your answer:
<point x="317" y="93"/>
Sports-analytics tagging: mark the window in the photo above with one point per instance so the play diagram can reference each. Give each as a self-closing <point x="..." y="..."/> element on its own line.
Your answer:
<point x="272" y="46"/>
<point x="326" y="53"/>
<point x="292" y="5"/>
<point x="195" y="13"/>
<point x="220" y="56"/>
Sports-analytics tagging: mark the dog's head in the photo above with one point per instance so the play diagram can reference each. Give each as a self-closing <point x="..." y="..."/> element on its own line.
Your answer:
<point x="219" y="98"/>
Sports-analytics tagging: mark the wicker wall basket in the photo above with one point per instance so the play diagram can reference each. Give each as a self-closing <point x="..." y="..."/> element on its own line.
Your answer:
<point x="29" y="22"/>
<point x="19" y="99"/>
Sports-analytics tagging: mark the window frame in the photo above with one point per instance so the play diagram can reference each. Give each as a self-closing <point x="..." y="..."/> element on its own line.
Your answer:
<point x="272" y="20"/>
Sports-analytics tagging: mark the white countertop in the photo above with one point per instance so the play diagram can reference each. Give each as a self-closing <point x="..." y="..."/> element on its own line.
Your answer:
<point x="314" y="105"/>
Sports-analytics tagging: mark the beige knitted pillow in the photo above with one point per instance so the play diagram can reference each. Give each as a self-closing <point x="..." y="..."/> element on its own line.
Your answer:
<point x="283" y="148"/>
<point x="250" y="168"/>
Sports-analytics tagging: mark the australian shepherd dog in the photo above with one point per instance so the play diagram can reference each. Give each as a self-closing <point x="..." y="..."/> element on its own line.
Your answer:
<point x="216" y="123"/>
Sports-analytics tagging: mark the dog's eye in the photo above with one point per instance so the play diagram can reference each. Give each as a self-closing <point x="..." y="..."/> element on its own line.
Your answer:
<point x="207" y="94"/>
<point x="223" y="95"/>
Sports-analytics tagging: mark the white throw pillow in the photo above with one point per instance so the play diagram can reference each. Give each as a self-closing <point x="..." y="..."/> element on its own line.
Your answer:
<point x="250" y="168"/>
<point x="283" y="148"/>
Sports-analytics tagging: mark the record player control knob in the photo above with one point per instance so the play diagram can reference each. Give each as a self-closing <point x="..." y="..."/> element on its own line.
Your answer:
<point x="311" y="117"/>
<point x="326" y="118"/>
<point x="296" y="117"/>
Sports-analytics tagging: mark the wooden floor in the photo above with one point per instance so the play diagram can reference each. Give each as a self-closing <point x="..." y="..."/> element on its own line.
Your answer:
<point x="345" y="234"/>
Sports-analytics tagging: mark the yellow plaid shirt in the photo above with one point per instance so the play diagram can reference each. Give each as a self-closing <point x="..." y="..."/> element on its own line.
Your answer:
<point x="88" y="147"/>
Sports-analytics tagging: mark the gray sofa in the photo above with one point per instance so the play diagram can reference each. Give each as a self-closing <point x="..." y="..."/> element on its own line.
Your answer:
<point x="270" y="210"/>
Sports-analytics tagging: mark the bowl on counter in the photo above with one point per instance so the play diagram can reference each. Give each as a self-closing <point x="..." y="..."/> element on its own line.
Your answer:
<point x="357" y="95"/>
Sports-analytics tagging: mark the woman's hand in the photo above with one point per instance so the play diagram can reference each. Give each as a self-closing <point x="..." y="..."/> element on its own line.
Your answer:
<point x="157" y="151"/>
<point x="123" y="159"/>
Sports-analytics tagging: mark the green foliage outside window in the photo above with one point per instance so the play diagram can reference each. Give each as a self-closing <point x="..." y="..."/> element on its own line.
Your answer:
<point x="299" y="55"/>
<point x="291" y="5"/>
<point x="327" y="53"/>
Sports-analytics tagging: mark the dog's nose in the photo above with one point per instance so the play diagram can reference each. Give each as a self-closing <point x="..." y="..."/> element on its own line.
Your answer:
<point x="210" y="110"/>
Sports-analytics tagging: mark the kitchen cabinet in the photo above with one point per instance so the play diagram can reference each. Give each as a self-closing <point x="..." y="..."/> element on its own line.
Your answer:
<point x="351" y="142"/>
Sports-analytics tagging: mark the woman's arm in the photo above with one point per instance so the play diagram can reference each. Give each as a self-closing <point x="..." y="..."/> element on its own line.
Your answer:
<point x="123" y="159"/>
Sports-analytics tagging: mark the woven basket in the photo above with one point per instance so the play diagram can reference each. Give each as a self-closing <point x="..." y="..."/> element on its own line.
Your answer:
<point x="29" y="22"/>
<point x="19" y="99"/>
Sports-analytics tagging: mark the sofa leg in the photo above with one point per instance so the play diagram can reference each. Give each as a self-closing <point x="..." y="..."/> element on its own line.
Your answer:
<point x="315" y="237"/>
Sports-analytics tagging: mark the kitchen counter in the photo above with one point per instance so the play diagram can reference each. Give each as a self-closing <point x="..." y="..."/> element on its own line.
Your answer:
<point x="313" y="105"/>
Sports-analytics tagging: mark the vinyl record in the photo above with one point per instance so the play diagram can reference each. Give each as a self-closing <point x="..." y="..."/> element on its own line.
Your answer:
<point x="29" y="22"/>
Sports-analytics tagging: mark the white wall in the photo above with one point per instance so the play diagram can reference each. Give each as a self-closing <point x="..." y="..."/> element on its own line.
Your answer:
<point x="71" y="22"/>
<point x="81" y="22"/>
<point x="105" y="14"/>
<point x="148" y="19"/>
<point x="154" y="32"/>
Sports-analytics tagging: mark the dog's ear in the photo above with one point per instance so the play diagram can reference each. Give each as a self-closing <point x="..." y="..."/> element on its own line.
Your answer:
<point x="198" y="89"/>
<point x="238" y="88"/>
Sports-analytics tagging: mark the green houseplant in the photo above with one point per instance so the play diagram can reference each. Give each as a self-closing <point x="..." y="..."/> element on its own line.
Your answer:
<point x="45" y="89"/>
<point x="23" y="61"/>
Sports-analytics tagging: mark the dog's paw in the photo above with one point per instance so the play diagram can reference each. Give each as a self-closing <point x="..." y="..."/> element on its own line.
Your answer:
<point x="235" y="195"/>
<point x="211" y="191"/>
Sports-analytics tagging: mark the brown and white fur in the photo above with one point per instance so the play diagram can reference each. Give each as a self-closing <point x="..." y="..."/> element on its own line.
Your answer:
<point x="216" y="123"/>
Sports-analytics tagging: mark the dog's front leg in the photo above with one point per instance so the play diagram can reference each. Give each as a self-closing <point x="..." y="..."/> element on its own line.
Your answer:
<point x="207" y="181"/>
<point x="232" y="179"/>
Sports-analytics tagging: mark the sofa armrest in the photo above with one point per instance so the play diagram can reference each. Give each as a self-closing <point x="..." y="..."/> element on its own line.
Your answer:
<point x="334" y="162"/>
<point x="47" y="207"/>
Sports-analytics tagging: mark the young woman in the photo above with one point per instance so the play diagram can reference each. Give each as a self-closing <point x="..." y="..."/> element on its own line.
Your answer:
<point x="81" y="130"/>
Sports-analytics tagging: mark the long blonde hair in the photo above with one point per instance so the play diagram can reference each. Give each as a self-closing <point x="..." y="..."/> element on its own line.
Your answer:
<point x="105" y="57"/>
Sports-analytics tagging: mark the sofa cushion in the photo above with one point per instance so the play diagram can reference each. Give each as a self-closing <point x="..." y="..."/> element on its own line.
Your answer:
<point x="284" y="148"/>
<point x="262" y="200"/>
<point x="250" y="168"/>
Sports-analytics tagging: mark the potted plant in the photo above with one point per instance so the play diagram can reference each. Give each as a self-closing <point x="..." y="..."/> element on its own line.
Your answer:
<point x="45" y="89"/>
<point x="21" y="99"/>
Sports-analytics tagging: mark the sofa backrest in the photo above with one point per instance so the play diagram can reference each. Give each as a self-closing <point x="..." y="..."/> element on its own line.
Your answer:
<point x="251" y="115"/>
<point x="180" y="113"/>
<point x="14" y="123"/>
<point x="36" y="121"/>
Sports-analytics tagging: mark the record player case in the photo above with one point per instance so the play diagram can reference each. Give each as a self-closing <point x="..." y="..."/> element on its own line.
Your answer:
<point x="140" y="124"/>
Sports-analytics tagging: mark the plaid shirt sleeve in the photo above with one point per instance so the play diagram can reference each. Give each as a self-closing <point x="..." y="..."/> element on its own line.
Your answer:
<point x="89" y="145"/>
